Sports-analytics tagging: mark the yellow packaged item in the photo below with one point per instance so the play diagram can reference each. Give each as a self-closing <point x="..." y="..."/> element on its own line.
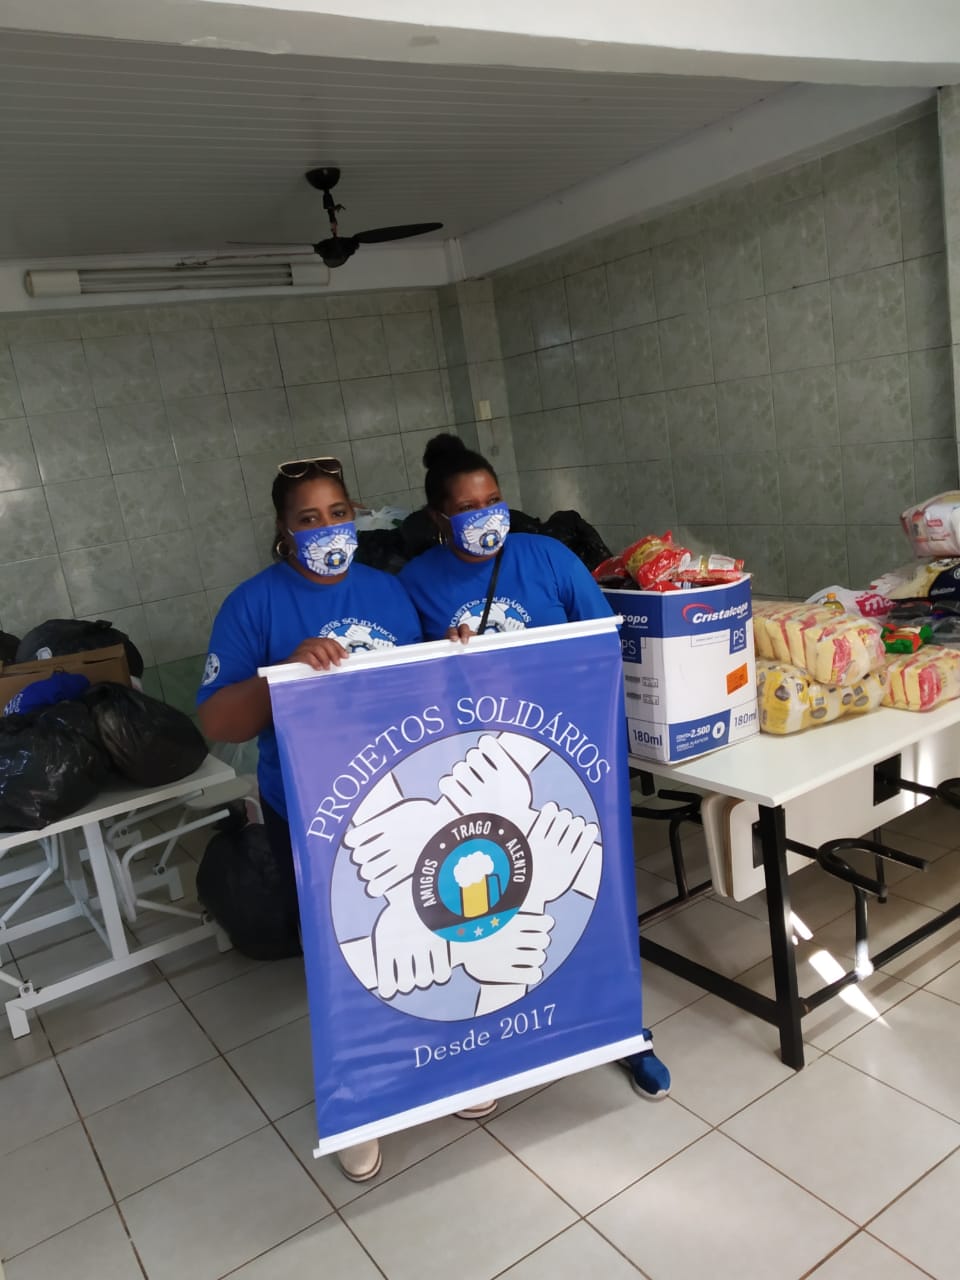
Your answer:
<point x="832" y="648"/>
<point x="922" y="680"/>
<point x="789" y="700"/>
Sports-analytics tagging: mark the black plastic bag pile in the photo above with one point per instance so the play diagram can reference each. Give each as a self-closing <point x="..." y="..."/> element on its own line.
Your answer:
<point x="61" y="636"/>
<point x="250" y="892"/>
<point x="8" y="647"/>
<point x="54" y="761"/>
<point x="148" y="742"/>
<point x="51" y="764"/>
<point x="390" y="549"/>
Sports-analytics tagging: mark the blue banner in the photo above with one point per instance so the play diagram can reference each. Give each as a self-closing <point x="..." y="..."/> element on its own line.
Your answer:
<point x="461" y="827"/>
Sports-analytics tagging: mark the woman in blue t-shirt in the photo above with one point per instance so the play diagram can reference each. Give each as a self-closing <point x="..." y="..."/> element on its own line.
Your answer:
<point x="539" y="582"/>
<point x="313" y="605"/>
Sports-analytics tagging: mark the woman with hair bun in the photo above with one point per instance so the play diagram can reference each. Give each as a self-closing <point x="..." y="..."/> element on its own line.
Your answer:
<point x="482" y="578"/>
<point x="539" y="581"/>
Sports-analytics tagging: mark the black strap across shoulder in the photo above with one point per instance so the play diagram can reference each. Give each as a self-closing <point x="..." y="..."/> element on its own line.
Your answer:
<point x="492" y="588"/>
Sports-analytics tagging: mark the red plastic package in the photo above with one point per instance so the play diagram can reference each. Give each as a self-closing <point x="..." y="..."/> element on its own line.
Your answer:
<point x="654" y="559"/>
<point x="610" y="570"/>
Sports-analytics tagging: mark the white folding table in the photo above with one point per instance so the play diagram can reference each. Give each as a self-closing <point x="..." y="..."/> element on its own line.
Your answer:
<point x="104" y="830"/>
<point x="804" y="794"/>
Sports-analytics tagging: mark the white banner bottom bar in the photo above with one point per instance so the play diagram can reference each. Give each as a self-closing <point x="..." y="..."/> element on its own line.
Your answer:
<point x="546" y="1074"/>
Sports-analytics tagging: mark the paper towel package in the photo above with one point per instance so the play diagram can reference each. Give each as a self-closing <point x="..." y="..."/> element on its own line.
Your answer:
<point x="689" y="669"/>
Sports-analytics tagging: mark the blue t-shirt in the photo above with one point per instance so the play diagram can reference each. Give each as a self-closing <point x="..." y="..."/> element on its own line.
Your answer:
<point x="263" y="620"/>
<point x="541" y="583"/>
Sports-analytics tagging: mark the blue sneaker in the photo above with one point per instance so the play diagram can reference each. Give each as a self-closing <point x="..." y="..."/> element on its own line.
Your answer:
<point x="649" y="1076"/>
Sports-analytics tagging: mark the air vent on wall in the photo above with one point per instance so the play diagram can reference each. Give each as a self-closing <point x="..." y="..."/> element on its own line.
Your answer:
<point x="160" y="279"/>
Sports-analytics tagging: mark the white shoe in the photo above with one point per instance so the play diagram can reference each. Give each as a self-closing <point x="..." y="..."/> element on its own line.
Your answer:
<point x="478" y="1112"/>
<point x="362" y="1162"/>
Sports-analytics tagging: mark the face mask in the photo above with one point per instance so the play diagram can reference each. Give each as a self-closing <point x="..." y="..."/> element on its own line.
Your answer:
<point x="328" y="551"/>
<point x="480" y="533"/>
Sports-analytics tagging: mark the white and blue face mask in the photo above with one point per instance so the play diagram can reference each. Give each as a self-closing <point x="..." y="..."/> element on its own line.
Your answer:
<point x="327" y="551"/>
<point x="480" y="533"/>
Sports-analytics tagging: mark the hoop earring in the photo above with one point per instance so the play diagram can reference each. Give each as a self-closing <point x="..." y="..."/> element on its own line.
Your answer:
<point x="280" y="548"/>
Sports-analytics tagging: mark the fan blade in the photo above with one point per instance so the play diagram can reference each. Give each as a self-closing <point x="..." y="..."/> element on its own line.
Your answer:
<point x="273" y="244"/>
<point x="258" y="257"/>
<point x="379" y="234"/>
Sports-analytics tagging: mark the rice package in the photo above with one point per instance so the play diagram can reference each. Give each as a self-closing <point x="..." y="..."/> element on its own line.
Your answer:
<point x="922" y="680"/>
<point x="790" y="700"/>
<point x="933" y="527"/>
<point x="833" y="647"/>
<point x="916" y="580"/>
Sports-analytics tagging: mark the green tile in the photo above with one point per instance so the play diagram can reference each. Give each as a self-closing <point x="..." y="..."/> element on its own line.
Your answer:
<point x="151" y="682"/>
<point x="180" y="681"/>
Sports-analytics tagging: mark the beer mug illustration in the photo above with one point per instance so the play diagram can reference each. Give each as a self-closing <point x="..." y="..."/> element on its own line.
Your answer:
<point x="480" y="887"/>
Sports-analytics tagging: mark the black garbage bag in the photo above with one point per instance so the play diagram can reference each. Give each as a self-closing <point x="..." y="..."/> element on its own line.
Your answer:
<point x="381" y="549"/>
<point x="59" y="636"/>
<point x="520" y="522"/>
<point x="251" y="893"/>
<point x="418" y="533"/>
<point x="570" y="528"/>
<point x="147" y="741"/>
<point x="51" y="764"/>
<point x="8" y="647"/>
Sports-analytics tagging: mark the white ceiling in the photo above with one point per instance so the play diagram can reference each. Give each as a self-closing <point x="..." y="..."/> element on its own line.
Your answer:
<point x="120" y="147"/>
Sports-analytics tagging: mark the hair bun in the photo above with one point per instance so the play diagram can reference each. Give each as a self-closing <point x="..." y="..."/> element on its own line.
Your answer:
<point x="442" y="449"/>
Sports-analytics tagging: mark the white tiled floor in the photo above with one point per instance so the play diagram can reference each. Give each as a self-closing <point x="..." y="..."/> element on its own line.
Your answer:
<point x="161" y="1127"/>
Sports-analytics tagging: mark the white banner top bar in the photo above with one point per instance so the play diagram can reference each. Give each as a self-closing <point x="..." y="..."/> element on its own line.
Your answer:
<point x="287" y="672"/>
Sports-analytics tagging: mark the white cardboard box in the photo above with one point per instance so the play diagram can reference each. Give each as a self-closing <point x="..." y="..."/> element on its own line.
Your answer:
<point x="689" y="669"/>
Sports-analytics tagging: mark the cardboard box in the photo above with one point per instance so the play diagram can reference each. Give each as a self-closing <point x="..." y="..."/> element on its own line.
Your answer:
<point x="689" y="669"/>
<point x="98" y="665"/>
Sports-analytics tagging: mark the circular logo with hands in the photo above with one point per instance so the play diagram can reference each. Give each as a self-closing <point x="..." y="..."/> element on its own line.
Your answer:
<point x="467" y="875"/>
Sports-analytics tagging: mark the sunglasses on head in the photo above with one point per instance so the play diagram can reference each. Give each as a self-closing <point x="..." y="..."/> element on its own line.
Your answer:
<point x="299" y="467"/>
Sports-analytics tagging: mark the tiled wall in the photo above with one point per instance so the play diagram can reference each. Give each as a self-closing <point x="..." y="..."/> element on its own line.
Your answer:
<point x="137" y="449"/>
<point x="768" y="370"/>
<point x="950" y="165"/>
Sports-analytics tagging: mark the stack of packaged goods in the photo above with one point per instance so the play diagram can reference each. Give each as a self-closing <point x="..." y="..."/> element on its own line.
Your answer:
<point x="657" y="564"/>
<point x="815" y="663"/>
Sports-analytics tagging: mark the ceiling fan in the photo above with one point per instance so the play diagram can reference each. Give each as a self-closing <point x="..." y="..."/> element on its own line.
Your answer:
<point x="336" y="249"/>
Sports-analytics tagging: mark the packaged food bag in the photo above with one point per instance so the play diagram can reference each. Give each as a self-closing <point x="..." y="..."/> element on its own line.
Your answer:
<point x="920" y="681"/>
<point x="933" y="527"/>
<point x="917" y="580"/>
<point x="778" y="628"/>
<point x="869" y="603"/>
<point x="833" y="648"/>
<point x="790" y="701"/>
<point x="653" y="560"/>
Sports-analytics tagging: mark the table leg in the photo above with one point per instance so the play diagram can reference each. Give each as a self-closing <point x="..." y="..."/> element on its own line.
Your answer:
<point x="106" y="890"/>
<point x="773" y="847"/>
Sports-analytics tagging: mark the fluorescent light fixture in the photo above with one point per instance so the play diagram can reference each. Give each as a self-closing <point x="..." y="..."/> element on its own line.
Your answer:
<point x="238" y="275"/>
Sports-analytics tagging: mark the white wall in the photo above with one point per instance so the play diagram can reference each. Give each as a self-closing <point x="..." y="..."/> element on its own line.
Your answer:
<point x="871" y="42"/>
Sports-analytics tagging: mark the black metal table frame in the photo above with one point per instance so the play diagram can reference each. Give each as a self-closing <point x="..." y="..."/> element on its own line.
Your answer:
<point x="787" y="1008"/>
